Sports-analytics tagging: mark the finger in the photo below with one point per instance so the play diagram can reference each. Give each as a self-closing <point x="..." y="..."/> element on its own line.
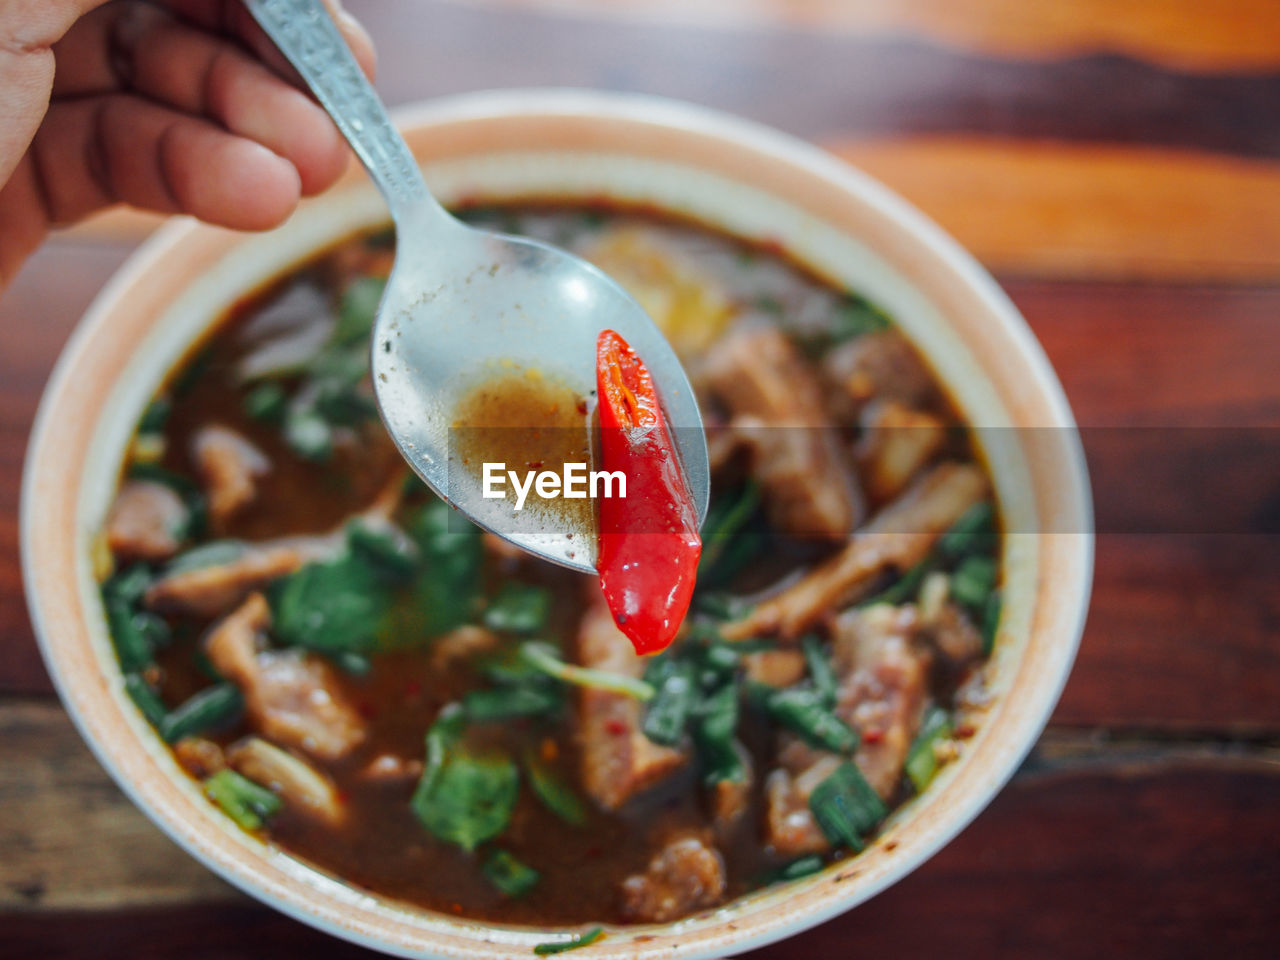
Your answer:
<point x="231" y="18"/>
<point x="142" y="48"/>
<point x="96" y="151"/>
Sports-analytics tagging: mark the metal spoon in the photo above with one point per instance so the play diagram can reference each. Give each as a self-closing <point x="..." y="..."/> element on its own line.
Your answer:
<point x="463" y="304"/>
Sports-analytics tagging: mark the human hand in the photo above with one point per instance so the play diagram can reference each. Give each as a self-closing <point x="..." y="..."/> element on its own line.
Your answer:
<point x="179" y="106"/>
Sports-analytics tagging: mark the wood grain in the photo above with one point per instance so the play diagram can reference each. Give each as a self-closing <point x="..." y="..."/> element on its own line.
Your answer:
<point x="1070" y="210"/>
<point x="1230" y="35"/>
<point x="1054" y="210"/>
<point x="822" y="84"/>
<point x="70" y="838"/>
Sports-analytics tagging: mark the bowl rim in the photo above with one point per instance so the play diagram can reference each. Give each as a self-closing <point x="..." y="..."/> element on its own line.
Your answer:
<point x="745" y="142"/>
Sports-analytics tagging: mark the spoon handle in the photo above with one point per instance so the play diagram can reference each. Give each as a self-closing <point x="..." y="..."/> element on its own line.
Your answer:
<point x="309" y="39"/>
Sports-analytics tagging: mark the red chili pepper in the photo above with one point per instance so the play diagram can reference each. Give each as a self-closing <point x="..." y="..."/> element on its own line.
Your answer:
<point x="649" y="543"/>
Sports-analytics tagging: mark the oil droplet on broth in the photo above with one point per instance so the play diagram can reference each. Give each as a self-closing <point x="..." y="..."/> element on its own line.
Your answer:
<point x="531" y="422"/>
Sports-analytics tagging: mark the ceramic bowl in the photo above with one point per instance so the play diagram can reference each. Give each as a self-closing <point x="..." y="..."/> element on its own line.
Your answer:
<point x="736" y="176"/>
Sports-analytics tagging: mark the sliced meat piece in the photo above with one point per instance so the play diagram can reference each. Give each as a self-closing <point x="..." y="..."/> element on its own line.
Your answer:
<point x="199" y="757"/>
<point x="462" y="643"/>
<point x="876" y="366"/>
<point x="215" y="589"/>
<point x="146" y="521"/>
<point x="687" y="874"/>
<point x="945" y="626"/>
<point x="229" y="465"/>
<point x="304" y="788"/>
<point x="775" y="668"/>
<point x="618" y="760"/>
<point x="895" y="445"/>
<point x="899" y="536"/>
<point x="884" y="688"/>
<point x="730" y="799"/>
<point x="291" y="695"/>
<point x="789" y="824"/>
<point x="776" y="408"/>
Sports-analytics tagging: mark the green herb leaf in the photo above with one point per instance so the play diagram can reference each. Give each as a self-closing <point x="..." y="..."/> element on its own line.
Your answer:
<point x="556" y="795"/>
<point x="512" y="878"/>
<point x="484" y="706"/>
<point x="845" y="807"/>
<point x="518" y="608"/>
<point x="331" y="606"/>
<point x="357" y="310"/>
<point x="465" y="796"/>
<point x="389" y="551"/>
<point x="448" y="590"/>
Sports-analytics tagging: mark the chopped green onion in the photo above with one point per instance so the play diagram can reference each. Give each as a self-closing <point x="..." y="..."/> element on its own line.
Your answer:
<point x="135" y="634"/>
<point x="857" y="316"/>
<point x="973" y="581"/>
<point x="518" y="608"/>
<point x="845" y="807"/>
<point x="214" y="553"/>
<point x="726" y="543"/>
<point x="266" y="402"/>
<point x="512" y="878"/>
<point x="718" y="715"/>
<point x="483" y="706"/>
<point x="991" y="621"/>
<point x="720" y="657"/>
<point x="824" y="677"/>
<point x="543" y="657"/>
<point x="350" y="662"/>
<point x="669" y="710"/>
<point x="803" y="711"/>
<point x="146" y="699"/>
<point x="211" y="707"/>
<point x="307" y="433"/>
<point x="556" y="795"/>
<point x="904" y="588"/>
<point x="974" y="531"/>
<point x="573" y="943"/>
<point x="357" y="309"/>
<point x="156" y="415"/>
<point x="244" y="801"/>
<point x="804" y="867"/>
<point x="922" y="761"/>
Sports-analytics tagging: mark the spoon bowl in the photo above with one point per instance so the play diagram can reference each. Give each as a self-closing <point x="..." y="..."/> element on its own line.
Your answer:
<point x="463" y="305"/>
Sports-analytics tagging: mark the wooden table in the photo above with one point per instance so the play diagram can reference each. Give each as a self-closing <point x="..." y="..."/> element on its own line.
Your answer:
<point x="1118" y="168"/>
